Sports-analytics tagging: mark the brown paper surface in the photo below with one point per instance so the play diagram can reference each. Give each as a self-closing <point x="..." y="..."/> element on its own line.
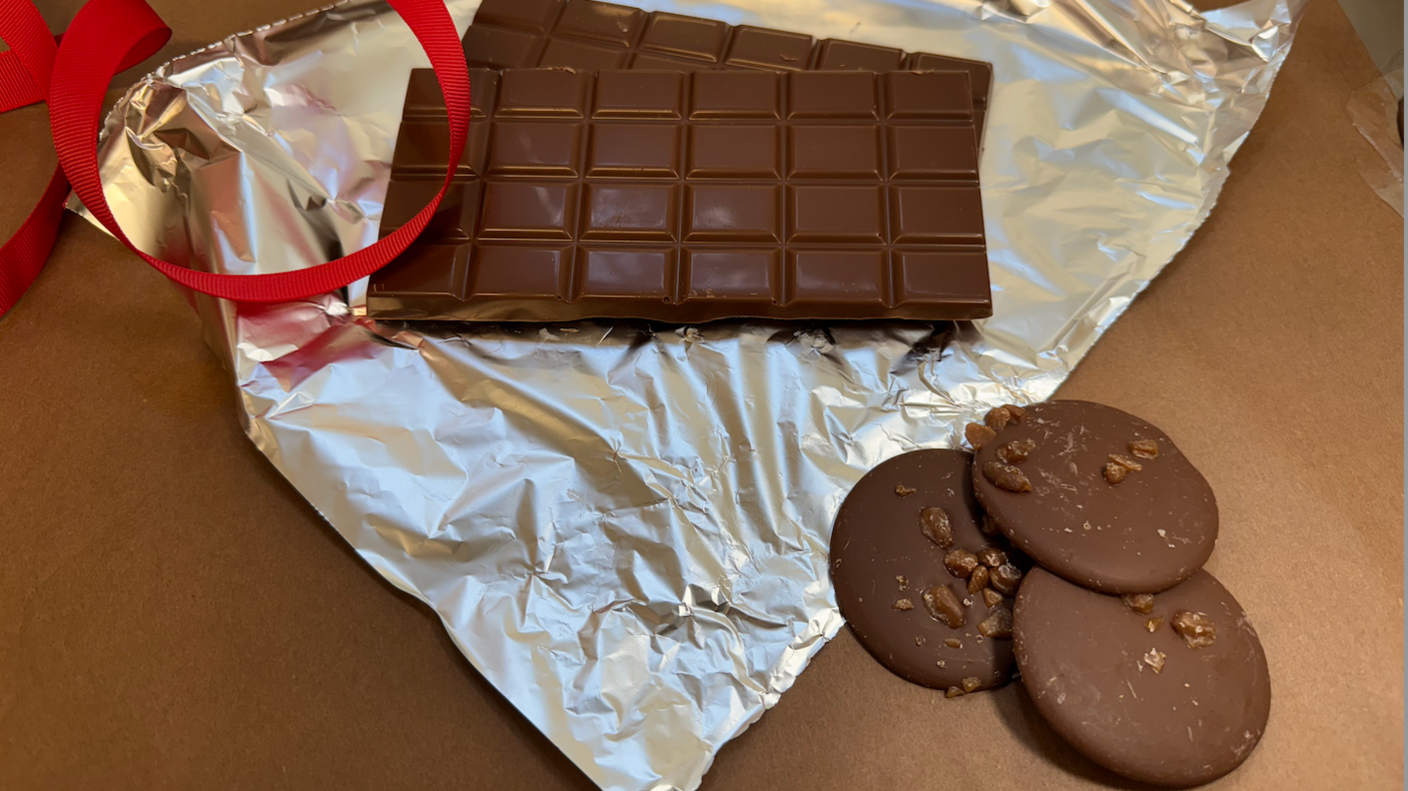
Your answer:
<point x="173" y="615"/>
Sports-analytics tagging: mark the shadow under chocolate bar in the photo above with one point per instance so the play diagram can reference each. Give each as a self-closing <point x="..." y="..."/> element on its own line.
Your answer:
<point x="686" y="198"/>
<point x="588" y="35"/>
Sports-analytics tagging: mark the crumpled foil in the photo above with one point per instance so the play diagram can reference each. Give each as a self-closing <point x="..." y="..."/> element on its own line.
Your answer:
<point x="624" y="526"/>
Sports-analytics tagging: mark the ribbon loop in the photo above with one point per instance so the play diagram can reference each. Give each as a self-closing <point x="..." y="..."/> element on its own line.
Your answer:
<point x="108" y="36"/>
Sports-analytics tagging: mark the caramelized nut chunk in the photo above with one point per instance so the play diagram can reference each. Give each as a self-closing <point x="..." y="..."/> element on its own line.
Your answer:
<point x="1015" y="412"/>
<point x="988" y="527"/>
<point x="903" y="581"/>
<point x="978" y="435"/>
<point x="1005" y="579"/>
<point x="1145" y="448"/>
<point x="1197" y="629"/>
<point x="953" y="642"/>
<point x="960" y="563"/>
<point x="903" y="604"/>
<point x="1016" y="451"/>
<point x="979" y="580"/>
<point x="1006" y="477"/>
<point x="1114" y="473"/>
<point x="904" y="491"/>
<point x="1126" y="462"/>
<point x="992" y="598"/>
<point x="998" y="624"/>
<point x="1155" y="659"/>
<point x="998" y="419"/>
<point x="1139" y="602"/>
<point x="954" y="692"/>
<point x="919" y="641"/>
<point x="944" y="606"/>
<point x="972" y="684"/>
<point x="935" y="524"/>
<point x="992" y="557"/>
<point x="1153" y="624"/>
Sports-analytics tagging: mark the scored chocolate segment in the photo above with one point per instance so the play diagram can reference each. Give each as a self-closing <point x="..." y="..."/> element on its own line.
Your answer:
<point x="691" y="197"/>
<point x="589" y="35"/>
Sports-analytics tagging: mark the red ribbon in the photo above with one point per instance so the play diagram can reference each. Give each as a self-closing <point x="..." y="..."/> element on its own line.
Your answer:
<point x="73" y="72"/>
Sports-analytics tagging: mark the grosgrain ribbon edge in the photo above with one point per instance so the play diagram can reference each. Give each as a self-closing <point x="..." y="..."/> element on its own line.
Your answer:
<point x="28" y="65"/>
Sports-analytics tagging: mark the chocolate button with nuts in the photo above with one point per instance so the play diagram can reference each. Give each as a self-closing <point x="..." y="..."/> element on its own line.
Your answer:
<point x="888" y="555"/>
<point x="1104" y="498"/>
<point x="1142" y="703"/>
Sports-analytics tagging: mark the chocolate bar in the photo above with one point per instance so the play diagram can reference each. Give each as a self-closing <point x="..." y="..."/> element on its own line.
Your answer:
<point x="591" y="36"/>
<point x="692" y="197"/>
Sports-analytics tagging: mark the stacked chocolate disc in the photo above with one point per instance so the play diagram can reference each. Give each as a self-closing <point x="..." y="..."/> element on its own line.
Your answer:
<point x="1067" y="549"/>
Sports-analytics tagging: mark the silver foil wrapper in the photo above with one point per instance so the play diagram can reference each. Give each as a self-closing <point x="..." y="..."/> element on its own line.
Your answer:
<point x="623" y="526"/>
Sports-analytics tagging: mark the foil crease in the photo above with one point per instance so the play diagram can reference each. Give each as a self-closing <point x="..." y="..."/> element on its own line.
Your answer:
<point x="624" y="527"/>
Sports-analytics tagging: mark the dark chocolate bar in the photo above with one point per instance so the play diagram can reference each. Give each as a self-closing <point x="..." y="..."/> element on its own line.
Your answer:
<point x="587" y="35"/>
<point x="692" y="197"/>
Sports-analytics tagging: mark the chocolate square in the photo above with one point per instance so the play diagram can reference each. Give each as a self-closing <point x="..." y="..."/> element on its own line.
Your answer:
<point x="634" y="273"/>
<point x="931" y="152"/>
<point x="760" y="48"/>
<point x="535" y="148"/>
<point x="837" y="214"/>
<point x="941" y="277"/>
<point x="830" y="152"/>
<point x="634" y="151"/>
<point x="850" y="56"/>
<point x="939" y="95"/>
<point x="736" y="94"/>
<point x="536" y="16"/>
<point x="735" y="213"/>
<point x="563" y="53"/>
<point x="519" y="272"/>
<point x="424" y="99"/>
<point x="454" y="220"/>
<point x="733" y="152"/>
<point x="936" y="215"/>
<point x="687" y="37"/>
<point x="502" y="48"/>
<point x="542" y="93"/>
<point x="646" y="61"/>
<point x="527" y="210"/>
<point x="735" y="276"/>
<point x="614" y="24"/>
<point x="632" y="212"/>
<point x="423" y="146"/>
<point x="639" y="95"/>
<point x="430" y="270"/>
<point x="857" y="279"/>
<point x="833" y="96"/>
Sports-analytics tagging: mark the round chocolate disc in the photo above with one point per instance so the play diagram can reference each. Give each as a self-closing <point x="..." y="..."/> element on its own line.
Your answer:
<point x="888" y="547"/>
<point x="1127" y="689"/>
<point x="1098" y="496"/>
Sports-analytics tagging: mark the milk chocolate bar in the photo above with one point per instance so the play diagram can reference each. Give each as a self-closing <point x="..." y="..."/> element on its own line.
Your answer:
<point x="686" y="197"/>
<point x="587" y="35"/>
